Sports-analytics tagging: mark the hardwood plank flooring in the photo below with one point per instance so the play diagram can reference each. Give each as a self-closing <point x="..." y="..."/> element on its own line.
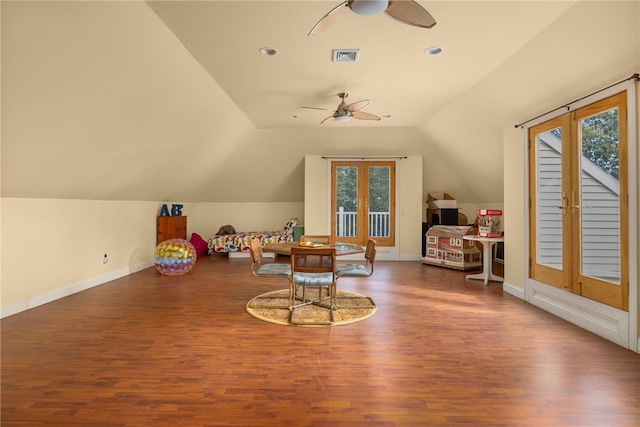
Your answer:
<point x="153" y="350"/>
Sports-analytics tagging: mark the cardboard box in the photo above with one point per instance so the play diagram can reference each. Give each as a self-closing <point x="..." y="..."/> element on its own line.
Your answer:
<point x="439" y="200"/>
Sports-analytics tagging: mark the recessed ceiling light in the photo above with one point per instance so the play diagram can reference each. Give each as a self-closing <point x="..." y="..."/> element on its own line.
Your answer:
<point x="268" y="51"/>
<point x="434" y="50"/>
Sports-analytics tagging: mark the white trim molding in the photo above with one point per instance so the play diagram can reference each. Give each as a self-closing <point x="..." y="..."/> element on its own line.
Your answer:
<point x="513" y="290"/>
<point x="37" y="300"/>
<point x="603" y="320"/>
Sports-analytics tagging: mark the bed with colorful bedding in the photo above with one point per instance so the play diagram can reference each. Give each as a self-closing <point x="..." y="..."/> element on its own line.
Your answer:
<point x="241" y="241"/>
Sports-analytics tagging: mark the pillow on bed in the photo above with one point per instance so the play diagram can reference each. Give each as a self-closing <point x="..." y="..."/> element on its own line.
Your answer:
<point x="200" y="244"/>
<point x="288" y="227"/>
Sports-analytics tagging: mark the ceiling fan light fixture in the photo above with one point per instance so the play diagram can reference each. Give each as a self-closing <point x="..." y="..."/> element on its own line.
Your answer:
<point x="406" y="11"/>
<point x="368" y="7"/>
<point x="344" y="118"/>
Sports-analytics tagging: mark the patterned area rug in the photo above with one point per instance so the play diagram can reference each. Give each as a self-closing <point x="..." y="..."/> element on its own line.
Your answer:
<point x="273" y="307"/>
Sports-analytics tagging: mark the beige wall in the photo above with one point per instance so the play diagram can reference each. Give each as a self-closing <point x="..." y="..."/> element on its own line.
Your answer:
<point x="100" y="101"/>
<point x="244" y="216"/>
<point x="514" y="218"/>
<point x="409" y="199"/>
<point x="49" y="245"/>
<point x="54" y="247"/>
<point x="317" y="187"/>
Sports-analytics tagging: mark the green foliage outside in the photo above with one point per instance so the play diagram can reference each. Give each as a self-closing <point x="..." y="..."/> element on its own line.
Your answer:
<point x="379" y="199"/>
<point x="347" y="188"/>
<point x="600" y="140"/>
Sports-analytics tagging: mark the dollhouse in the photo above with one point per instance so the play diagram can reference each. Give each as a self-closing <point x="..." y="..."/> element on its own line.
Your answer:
<point x="447" y="248"/>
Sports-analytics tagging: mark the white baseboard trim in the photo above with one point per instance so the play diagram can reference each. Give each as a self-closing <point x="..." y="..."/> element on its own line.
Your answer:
<point x="28" y="303"/>
<point x="605" y="321"/>
<point x="243" y="254"/>
<point x="513" y="290"/>
<point x="248" y="255"/>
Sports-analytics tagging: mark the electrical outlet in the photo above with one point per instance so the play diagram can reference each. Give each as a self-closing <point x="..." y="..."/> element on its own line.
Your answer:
<point x="105" y="259"/>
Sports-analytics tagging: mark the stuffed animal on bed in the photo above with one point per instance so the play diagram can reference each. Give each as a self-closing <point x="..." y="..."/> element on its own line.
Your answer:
<point x="226" y="229"/>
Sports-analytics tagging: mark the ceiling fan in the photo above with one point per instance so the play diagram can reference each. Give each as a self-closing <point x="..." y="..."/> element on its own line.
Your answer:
<point x="406" y="11"/>
<point x="345" y="112"/>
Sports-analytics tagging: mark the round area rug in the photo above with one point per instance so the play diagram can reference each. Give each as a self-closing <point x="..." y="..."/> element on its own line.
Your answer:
<point x="273" y="307"/>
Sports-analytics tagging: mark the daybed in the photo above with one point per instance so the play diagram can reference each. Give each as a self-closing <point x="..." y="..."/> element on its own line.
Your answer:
<point x="241" y="241"/>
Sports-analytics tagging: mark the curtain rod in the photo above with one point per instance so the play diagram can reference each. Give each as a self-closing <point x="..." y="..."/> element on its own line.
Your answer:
<point x="363" y="158"/>
<point x="636" y="76"/>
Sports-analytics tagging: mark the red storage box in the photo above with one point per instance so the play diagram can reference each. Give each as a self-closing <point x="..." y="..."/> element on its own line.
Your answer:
<point x="489" y="222"/>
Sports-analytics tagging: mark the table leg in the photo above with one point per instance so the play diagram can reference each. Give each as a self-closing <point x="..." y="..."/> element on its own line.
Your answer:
<point x="487" y="273"/>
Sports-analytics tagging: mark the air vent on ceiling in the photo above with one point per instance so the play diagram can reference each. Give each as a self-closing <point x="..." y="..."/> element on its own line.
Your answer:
<point x="346" y="55"/>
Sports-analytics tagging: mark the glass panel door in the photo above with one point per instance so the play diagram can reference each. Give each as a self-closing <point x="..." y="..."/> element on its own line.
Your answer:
<point x="548" y="187"/>
<point x="597" y="202"/>
<point x="363" y="202"/>
<point x="578" y="207"/>
<point x="347" y="198"/>
<point x="379" y="202"/>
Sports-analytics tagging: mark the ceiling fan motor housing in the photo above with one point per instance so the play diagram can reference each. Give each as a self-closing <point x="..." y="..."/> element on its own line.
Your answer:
<point x="368" y="7"/>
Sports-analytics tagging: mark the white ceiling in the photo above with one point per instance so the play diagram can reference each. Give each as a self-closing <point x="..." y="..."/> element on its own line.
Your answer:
<point x="393" y="71"/>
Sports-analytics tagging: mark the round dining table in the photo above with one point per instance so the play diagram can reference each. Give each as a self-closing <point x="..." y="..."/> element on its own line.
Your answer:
<point x="284" y="248"/>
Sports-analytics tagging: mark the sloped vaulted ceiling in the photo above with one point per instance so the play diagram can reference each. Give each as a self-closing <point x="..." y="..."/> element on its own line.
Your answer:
<point x="392" y="71"/>
<point x="171" y="99"/>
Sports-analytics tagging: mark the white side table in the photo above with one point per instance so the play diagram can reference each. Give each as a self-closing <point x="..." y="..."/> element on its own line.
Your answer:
<point x="487" y="243"/>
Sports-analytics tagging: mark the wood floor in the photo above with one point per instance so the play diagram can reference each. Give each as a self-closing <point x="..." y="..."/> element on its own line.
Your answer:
<point x="153" y="350"/>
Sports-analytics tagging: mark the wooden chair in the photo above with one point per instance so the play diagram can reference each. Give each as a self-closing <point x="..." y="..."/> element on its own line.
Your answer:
<point x="312" y="268"/>
<point x="260" y="268"/>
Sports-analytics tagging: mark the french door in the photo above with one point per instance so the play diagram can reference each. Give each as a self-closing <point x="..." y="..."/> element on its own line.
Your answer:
<point x="363" y="201"/>
<point x="579" y="202"/>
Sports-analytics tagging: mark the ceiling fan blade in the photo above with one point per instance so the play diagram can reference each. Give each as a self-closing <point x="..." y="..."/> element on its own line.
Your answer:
<point x="361" y="115"/>
<point x="330" y="18"/>
<point x="318" y="108"/>
<point x="410" y="13"/>
<point x="328" y="119"/>
<point x="357" y="106"/>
